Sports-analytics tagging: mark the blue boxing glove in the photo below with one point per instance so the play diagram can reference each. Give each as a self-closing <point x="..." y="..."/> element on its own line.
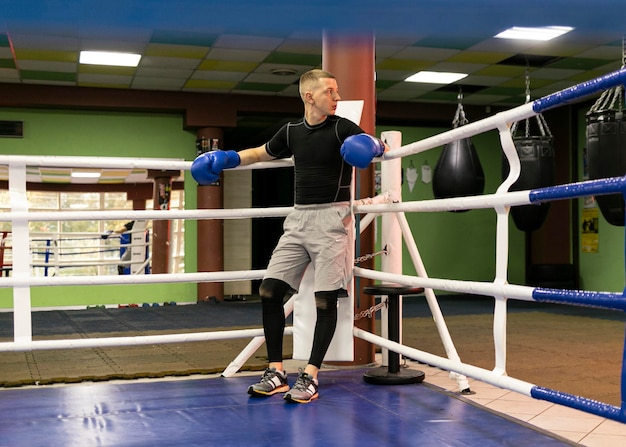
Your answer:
<point x="207" y="167"/>
<point x="359" y="150"/>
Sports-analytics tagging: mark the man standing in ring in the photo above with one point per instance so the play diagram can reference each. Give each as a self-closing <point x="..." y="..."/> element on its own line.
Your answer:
<point x="324" y="148"/>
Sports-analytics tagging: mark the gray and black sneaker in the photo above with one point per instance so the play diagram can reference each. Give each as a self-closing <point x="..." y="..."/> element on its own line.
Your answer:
<point x="304" y="390"/>
<point x="272" y="382"/>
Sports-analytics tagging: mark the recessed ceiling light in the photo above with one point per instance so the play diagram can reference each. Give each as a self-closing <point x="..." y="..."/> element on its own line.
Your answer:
<point x="435" y="77"/>
<point x="85" y="174"/>
<point x="540" y="33"/>
<point x="109" y="58"/>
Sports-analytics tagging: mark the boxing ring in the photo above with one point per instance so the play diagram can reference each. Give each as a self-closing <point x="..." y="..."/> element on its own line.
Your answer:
<point x="394" y="226"/>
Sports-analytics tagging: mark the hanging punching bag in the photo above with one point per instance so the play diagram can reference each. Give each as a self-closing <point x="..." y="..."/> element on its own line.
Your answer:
<point x="536" y="155"/>
<point x="535" y="149"/>
<point x="458" y="172"/>
<point x="606" y="156"/>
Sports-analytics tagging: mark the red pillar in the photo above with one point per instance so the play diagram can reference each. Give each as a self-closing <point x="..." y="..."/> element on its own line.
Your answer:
<point x="351" y="58"/>
<point x="211" y="231"/>
<point x="161" y="228"/>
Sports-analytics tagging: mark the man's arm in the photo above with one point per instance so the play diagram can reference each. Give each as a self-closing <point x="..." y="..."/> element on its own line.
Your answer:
<point x="254" y="155"/>
<point x="207" y="167"/>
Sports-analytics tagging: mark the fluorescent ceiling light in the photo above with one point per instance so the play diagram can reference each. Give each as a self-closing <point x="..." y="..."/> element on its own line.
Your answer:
<point x="109" y="58"/>
<point x="540" y="33"/>
<point x="85" y="174"/>
<point x="435" y="77"/>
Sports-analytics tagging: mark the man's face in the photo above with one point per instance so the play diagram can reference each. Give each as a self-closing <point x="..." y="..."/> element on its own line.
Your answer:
<point x="325" y="95"/>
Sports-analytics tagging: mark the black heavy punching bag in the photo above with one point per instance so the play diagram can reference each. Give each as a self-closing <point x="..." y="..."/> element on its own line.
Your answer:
<point x="536" y="155"/>
<point x="606" y="149"/>
<point x="458" y="172"/>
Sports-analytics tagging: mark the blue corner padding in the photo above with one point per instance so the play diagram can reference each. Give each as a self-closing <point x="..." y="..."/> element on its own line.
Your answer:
<point x="579" y="403"/>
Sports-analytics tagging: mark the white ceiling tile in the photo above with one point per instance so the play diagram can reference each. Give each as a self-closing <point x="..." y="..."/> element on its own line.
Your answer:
<point x="301" y="46"/>
<point x="268" y="68"/>
<point x="218" y="75"/>
<point x="385" y="51"/>
<point x="164" y="72"/>
<point x="104" y="79"/>
<point x="271" y="79"/>
<point x="231" y="54"/>
<point x="486" y="81"/>
<point x="423" y="53"/>
<point x="247" y="42"/>
<point x="398" y="40"/>
<point x="457" y="67"/>
<point x="44" y="42"/>
<point x="553" y="73"/>
<point x="602" y="52"/>
<point x="113" y="45"/>
<point x="146" y="82"/>
<point x="169" y="62"/>
<point x="63" y="67"/>
<point x="393" y="75"/>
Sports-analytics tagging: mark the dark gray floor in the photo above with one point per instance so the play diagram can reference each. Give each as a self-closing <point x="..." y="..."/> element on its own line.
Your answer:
<point x="246" y="314"/>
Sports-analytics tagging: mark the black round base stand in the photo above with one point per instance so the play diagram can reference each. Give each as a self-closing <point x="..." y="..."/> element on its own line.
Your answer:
<point x="382" y="376"/>
<point x="393" y="375"/>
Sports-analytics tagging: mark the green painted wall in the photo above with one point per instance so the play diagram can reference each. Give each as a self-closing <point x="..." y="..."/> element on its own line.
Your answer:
<point x="604" y="270"/>
<point x="458" y="245"/>
<point x="96" y="133"/>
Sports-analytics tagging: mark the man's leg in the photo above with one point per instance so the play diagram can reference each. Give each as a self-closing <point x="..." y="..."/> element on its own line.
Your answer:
<point x="274" y="380"/>
<point x="306" y="386"/>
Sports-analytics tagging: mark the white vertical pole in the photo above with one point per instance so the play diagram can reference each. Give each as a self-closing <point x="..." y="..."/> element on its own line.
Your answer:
<point x="137" y="248"/>
<point x="502" y="248"/>
<point x="22" y="323"/>
<point x="391" y="234"/>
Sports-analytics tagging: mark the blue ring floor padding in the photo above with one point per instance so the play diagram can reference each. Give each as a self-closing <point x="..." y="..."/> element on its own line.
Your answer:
<point x="218" y="412"/>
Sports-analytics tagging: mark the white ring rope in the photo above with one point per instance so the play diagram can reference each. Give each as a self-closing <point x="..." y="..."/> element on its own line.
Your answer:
<point x="235" y="213"/>
<point x="160" y="278"/>
<point x="504" y="118"/>
<point x="523" y="293"/>
<point x="120" y="162"/>
<point x="140" y="340"/>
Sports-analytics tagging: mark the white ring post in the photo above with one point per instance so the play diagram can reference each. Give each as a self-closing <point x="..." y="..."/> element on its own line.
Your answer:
<point x="391" y="235"/>
<point x="22" y="322"/>
<point x="502" y="248"/>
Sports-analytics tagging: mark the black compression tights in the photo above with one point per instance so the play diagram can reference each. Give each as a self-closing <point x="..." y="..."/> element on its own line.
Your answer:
<point x="326" y="305"/>
<point x="272" y="293"/>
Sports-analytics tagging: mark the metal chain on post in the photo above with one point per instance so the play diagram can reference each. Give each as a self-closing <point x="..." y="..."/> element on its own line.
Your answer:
<point x="542" y="125"/>
<point x="369" y="313"/>
<point x="370" y="256"/>
<point x="613" y="98"/>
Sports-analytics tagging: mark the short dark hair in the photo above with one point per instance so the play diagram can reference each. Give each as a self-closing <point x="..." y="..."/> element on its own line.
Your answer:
<point x="311" y="77"/>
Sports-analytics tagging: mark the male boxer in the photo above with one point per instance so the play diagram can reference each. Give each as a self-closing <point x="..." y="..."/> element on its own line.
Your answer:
<point x="324" y="148"/>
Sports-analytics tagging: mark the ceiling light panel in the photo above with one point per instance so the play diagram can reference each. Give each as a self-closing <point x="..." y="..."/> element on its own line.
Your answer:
<point x="543" y="33"/>
<point x="435" y="77"/>
<point x="109" y="58"/>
